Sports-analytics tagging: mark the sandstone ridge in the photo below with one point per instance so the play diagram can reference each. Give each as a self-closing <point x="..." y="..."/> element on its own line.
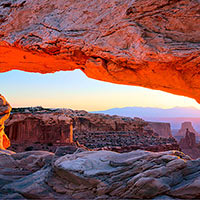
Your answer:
<point x="154" y="44"/>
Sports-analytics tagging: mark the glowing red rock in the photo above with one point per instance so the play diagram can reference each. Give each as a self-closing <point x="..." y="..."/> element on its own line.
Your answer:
<point x="5" y="109"/>
<point x="154" y="44"/>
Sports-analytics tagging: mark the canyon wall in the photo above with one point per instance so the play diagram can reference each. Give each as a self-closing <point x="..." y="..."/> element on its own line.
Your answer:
<point x="43" y="128"/>
<point x="163" y="129"/>
<point x="153" y="44"/>
<point x="43" y="125"/>
<point x="34" y="126"/>
<point x="57" y="126"/>
<point x="105" y="123"/>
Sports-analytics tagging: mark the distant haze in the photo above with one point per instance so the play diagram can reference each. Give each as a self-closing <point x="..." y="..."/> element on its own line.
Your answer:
<point x="175" y="116"/>
<point x="72" y="89"/>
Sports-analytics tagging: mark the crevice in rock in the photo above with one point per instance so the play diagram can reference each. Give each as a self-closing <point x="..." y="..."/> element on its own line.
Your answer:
<point x="49" y="27"/>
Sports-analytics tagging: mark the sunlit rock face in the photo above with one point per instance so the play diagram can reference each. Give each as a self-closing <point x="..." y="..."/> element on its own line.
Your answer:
<point x="5" y="109"/>
<point x="163" y="129"/>
<point x="44" y="128"/>
<point x="39" y="127"/>
<point x="154" y="44"/>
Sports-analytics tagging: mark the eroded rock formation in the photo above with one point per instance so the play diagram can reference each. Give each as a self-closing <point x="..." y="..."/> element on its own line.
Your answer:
<point x="163" y="129"/>
<point x="49" y="128"/>
<point x="184" y="127"/>
<point x="189" y="141"/>
<point x="89" y="122"/>
<point x="5" y="109"/>
<point x="152" y="43"/>
<point x="189" y="145"/>
<point x="39" y="127"/>
<point x="126" y="141"/>
<point x="133" y="175"/>
<point x="99" y="175"/>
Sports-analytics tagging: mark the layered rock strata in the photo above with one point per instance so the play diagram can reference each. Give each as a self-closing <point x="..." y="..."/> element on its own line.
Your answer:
<point x="88" y="122"/>
<point x="42" y="128"/>
<point x="189" y="141"/>
<point x="49" y="128"/>
<point x="163" y="129"/>
<point x="182" y="131"/>
<point x="133" y="175"/>
<point x="5" y="109"/>
<point x="189" y="146"/>
<point x="126" y="141"/>
<point x="154" y="44"/>
<point x="99" y="175"/>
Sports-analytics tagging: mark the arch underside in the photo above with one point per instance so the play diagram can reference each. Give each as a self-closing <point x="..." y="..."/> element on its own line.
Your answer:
<point x="154" y="44"/>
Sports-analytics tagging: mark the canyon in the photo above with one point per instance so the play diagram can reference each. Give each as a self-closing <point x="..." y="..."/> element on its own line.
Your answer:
<point x="50" y="128"/>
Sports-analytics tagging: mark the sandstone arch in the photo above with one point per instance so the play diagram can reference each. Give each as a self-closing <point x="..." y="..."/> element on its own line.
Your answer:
<point x="154" y="44"/>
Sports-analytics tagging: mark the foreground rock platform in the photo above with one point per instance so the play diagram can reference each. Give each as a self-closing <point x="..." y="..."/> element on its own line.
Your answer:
<point x="98" y="175"/>
<point x="154" y="44"/>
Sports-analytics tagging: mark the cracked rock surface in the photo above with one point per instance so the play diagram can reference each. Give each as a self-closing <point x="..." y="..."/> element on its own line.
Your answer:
<point x="99" y="175"/>
<point x="154" y="44"/>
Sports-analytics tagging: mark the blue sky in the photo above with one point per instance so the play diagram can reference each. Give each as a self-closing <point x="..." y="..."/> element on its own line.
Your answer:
<point x="74" y="90"/>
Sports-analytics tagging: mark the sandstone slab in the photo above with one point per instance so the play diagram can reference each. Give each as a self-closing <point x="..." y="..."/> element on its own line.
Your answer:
<point x="99" y="175"/>
<point x="137" y="174"/>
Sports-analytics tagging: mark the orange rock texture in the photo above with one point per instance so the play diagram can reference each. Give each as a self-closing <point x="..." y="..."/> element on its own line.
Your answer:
<point x="5" y="109"/>
<point x="148" y="43"/>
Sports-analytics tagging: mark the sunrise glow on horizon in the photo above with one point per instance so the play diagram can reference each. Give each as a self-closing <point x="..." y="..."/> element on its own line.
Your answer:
<point x="74" y="90"/>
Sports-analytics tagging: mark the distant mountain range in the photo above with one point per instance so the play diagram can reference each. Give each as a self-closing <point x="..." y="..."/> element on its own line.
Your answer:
<point x="175" y="116"/>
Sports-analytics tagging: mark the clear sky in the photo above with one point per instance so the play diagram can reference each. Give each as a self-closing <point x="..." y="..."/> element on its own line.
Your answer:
<point x="74" y="90"/>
